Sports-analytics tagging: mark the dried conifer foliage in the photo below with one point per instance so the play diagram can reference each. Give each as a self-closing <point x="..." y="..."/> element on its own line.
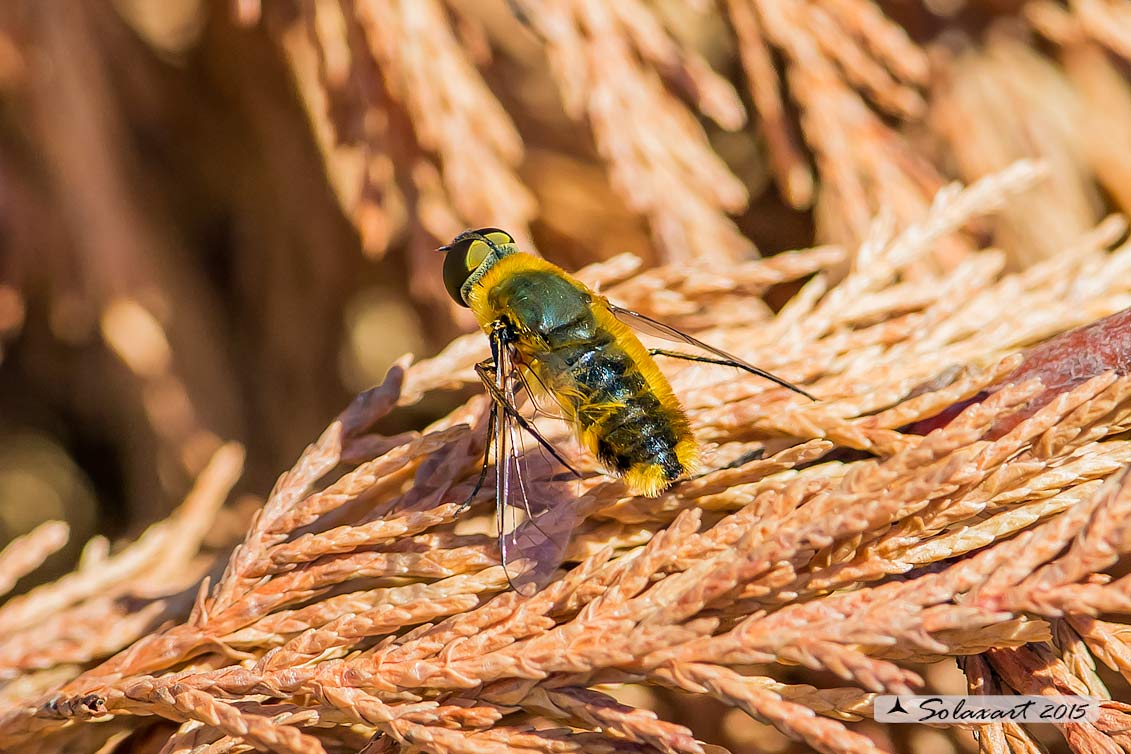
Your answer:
<point x="359" y="612"/>
<point x="953" y="515"/>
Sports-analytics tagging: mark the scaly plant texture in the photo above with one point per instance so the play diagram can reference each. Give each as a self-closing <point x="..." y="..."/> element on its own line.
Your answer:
<point x="218" y="223"/>
<point x="362" y="612"/>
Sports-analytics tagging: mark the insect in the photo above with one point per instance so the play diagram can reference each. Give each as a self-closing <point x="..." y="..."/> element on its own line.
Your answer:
<point x="548" y="330"/>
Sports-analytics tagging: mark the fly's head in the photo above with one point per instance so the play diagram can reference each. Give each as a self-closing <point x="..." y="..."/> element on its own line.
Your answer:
<point x="468" y="257"/>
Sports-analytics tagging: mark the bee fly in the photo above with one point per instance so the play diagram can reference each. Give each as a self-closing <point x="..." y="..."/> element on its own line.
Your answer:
<point x="546" y="327"/>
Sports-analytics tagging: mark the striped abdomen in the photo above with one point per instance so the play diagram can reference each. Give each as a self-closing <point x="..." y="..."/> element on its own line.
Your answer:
<point x="625" y="411"/>
<point x="621" y="417"/>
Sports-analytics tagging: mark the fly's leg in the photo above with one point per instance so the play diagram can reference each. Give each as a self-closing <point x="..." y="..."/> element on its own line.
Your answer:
<point x="745" y="458"/>
<point x="487" y="372"/>
<point x="742" y="460"/>
<point x="694" y="357"/>
<point x="732" y="363"/>
<point x="501" y="389"/>
<point x="498" y="377"/>
<point x="729" y="363"/>
<point x="488" y="375"/>
<point x="650" y="326"/>
<point x="748" y="457"/>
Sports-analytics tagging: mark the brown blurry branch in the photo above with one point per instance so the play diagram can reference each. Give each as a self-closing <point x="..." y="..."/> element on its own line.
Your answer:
<point x="638" y="86"/>
<point x="621" y="71"/>
<point x="839" y="56"/>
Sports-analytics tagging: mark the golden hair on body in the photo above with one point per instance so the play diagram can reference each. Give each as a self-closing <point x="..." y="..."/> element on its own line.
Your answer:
<point x="576" y="345"/>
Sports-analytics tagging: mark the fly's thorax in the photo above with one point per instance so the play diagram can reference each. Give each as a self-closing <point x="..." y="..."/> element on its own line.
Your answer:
<point x="535" y="297"/>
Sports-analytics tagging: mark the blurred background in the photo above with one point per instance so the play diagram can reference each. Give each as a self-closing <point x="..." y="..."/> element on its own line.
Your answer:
<point x="218" y="217"/>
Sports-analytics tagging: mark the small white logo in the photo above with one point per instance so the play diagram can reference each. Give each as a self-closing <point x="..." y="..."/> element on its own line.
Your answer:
<point x="972" y="710"/>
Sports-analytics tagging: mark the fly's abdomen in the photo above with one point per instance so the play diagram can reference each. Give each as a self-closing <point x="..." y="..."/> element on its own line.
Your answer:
<point x="623" y="419"/>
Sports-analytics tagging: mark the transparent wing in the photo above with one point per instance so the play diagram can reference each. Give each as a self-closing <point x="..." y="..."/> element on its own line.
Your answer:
<point x="544" y="401"/>
<point x="649" y="326"/>
<point x="543" y="534"/>
<point x="504" y="459"/>
<point x="524" y="483"/>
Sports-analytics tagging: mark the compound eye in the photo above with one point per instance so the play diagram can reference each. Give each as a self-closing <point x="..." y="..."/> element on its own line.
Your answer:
<point x="467" y="253"/>
<point x="496" y="236"/>
<point x="456" y="271"/>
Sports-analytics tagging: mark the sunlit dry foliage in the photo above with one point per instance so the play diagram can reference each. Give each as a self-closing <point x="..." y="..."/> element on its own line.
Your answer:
<point x="624" y="71"/>
<point x="362" y="611"/>
<point x="218" y="221"/>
